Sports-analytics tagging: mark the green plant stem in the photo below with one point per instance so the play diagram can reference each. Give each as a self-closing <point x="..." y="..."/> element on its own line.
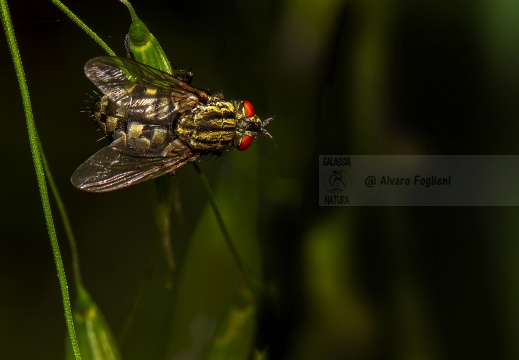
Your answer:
<point x="219" y="218"/>
<point x="33" y="140"/>
<point x="251" y="279"/>
<point x="130" y="9"/>
<point x="83" y="26"/>
<point x="64" y="218"/>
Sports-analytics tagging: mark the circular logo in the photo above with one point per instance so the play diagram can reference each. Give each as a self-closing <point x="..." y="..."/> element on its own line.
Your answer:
<point x="336" y="181"/>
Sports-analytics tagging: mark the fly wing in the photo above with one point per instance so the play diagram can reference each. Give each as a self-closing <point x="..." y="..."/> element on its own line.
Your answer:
<point x="146" y="92"/>
<point x="116" y="166"/>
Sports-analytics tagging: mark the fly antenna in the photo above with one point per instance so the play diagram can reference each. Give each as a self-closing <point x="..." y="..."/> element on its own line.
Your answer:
<point x="264" y="131"/>
<point x="265" y="123"/>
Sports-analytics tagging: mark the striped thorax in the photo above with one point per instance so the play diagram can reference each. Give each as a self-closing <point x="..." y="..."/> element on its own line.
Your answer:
<point x="219" y="124"/>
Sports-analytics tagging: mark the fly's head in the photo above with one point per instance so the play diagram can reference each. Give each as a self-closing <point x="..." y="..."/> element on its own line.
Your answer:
<point x="248" y="125"/>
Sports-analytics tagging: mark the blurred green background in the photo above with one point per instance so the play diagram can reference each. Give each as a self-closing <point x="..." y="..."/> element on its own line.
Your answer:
<point x="364" y="77"/>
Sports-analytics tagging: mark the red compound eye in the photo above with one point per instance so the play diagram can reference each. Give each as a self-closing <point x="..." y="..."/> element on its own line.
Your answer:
<point x="245" y="142"/>
<point x="248" y="108"/>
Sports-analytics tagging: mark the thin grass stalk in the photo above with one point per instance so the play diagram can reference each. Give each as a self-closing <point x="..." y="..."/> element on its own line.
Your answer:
<point x="36" y="156"/>
<point x="83" y="26"/>
<point x="64" y="217"/>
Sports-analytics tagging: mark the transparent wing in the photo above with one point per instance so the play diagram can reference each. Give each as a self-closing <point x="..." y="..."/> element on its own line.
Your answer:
<point x="116" y="166"/>
<point x="143" y="90"/>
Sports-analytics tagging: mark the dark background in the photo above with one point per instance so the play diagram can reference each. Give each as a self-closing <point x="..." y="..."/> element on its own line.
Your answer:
<point x="370" y="77"/>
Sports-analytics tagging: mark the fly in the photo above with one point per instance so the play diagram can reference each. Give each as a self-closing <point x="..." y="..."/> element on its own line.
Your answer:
<point x="157" y="123"/>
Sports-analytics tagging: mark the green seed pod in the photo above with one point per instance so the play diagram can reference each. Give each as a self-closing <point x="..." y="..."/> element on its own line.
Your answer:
<point x="234" y="334"/>
<point x="143" y="46"/>
<point x="95" y="339"/>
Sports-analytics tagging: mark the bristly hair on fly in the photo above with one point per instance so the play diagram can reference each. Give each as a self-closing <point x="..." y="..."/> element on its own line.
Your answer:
<point x="90" y="109"/>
